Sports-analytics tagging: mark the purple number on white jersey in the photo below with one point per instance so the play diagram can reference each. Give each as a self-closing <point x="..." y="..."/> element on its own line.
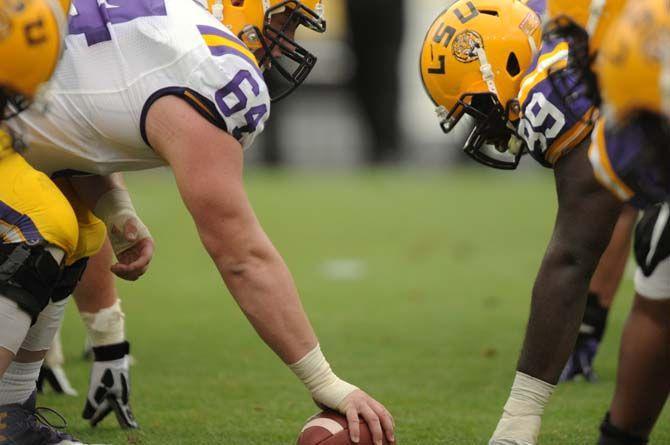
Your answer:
<point x="233" y="90"/>
<point x="91" y="17"/>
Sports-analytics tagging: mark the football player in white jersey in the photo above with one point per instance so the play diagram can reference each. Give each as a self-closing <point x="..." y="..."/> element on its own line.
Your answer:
<point x="166" y="82"/>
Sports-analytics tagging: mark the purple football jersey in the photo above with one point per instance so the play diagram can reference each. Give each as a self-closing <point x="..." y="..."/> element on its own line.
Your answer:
<point x="556" y="115"/>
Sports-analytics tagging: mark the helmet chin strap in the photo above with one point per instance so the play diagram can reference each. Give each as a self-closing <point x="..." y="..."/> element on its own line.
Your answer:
<point x="487" y="71"/>
<point x="514" y="145"/>
<point x="596" y="12"/>
<point x="217" y="10"/>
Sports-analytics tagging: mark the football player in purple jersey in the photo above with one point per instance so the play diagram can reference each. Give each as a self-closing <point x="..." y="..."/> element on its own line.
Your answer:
<point x="630" y="156"/>
<point x="485" y="60"/>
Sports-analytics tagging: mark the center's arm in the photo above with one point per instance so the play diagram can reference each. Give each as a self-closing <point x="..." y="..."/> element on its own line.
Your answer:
<point x="208" y="165"/>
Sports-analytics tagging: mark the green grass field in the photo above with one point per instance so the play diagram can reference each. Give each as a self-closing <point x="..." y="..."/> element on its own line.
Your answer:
<point x="431" y="322"/>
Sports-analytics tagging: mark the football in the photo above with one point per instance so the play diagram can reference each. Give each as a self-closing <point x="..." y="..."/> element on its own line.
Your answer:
<point x="330" y="428"/>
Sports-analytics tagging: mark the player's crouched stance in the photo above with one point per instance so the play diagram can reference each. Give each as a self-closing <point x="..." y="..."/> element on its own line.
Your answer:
<point x="189" y="90"/>
<point x="45" y="233"/>
<point x="630" y="156"/>
<point x="483" y="59"/>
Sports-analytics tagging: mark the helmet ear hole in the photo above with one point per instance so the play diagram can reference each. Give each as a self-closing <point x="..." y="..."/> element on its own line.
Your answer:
<point x="513" y="67"/>
<point x="489" y="12"/>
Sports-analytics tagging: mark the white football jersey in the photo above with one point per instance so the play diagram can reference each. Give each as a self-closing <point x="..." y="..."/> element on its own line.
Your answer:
<point x="121" y="56"/>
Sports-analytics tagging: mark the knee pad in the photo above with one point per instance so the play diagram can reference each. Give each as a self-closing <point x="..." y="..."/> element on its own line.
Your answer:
<point x="28" y="276"/>
<point x="611" y="435"/>
<point x="107" y="326"/>
<point x="41" y="334"/>
<point x="70" y="277"/>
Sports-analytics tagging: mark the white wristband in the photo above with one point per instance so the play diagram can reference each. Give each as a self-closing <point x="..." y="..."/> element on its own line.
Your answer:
<point x="326" y="388"/>
<point x="522" y="415"/>
<point x="115" y="209"/>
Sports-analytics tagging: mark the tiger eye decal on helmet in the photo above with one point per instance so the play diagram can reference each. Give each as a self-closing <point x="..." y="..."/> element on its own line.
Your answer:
<point x="286" y="63"/>
<point x="31" y="33"/>
<point x="464" y="45"/>
<point x="472" y="62"/>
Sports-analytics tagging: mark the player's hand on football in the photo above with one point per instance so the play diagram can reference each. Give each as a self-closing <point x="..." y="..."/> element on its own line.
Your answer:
<point x="137" y="249"/>
<point x="360" y="405"/>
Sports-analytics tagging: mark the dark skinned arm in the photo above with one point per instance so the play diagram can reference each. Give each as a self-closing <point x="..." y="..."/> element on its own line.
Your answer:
<point x="587" y="214"/>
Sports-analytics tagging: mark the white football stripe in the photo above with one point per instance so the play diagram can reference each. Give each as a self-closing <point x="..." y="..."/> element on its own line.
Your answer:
<point x="328" y="424"/>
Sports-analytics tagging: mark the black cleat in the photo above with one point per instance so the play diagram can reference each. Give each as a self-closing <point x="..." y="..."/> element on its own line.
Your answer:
<point x="22" y="424"/>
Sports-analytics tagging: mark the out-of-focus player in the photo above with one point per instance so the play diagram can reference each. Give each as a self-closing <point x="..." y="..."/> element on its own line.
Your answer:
<point x="483" y="59"/>
<point x="630" y="156"/>
<point x="155" y="82"/>
<point x="46" y="236"/>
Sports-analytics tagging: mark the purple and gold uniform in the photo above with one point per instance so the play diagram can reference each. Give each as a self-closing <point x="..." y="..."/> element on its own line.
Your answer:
<point x="617" y="156"/>
<point x="557" y="115"/>
<point x="32" y="208"/>
<point x="628" y="150"/>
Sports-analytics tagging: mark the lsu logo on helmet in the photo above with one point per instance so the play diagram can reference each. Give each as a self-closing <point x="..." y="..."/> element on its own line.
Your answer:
<point x="31" y="33"/>
<point x="472" y="62"/>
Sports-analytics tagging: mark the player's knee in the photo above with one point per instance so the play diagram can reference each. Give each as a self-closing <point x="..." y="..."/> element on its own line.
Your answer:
<point x="14" y="324"/>
<point x="41" y="334"/>
<point x="29" y="275"/>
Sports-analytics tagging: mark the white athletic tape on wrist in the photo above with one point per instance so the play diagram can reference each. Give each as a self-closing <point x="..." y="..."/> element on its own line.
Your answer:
<point x="107" y="326"/>
<point x="326" y="388"/>
<point x="115" y="209"/>
<point x="522" y="415"/>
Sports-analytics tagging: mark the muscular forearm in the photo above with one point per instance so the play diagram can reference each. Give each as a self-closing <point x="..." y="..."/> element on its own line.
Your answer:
<point x="262" y="285"/>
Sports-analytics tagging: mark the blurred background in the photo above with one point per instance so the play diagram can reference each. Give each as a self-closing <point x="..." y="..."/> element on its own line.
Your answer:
<point x="364" y="103"/>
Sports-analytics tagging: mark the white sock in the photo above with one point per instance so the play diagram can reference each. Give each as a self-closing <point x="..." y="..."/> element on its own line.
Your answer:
<point x="107" y="326"/>
<point x="19" y="382"/>
<point x="522" y="416"/>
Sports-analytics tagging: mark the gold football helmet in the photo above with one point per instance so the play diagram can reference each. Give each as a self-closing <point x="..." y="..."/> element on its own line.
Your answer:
<point x="286" y="63"/>
<point x="594" y="16"/>
<point x="31" y="33"/>
<point x="634" y="62"/>
<point x="472" y="62"/>
<point x="634" y="75"/>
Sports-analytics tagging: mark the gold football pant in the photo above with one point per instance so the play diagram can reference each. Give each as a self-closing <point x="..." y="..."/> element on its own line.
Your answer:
<point x="33" y="209"/>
